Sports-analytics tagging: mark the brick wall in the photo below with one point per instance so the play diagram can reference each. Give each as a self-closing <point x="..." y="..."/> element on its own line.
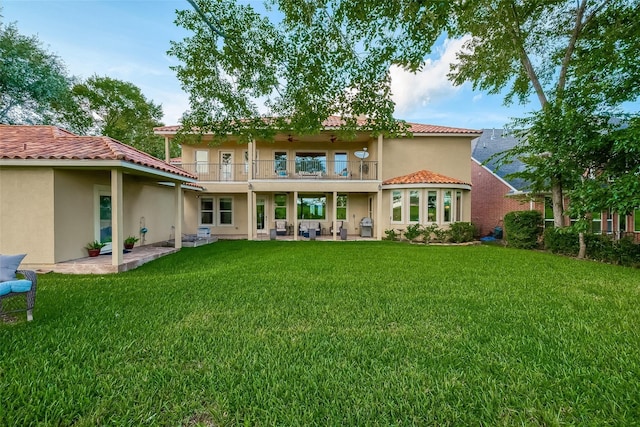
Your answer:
<point x="488" y="202"/>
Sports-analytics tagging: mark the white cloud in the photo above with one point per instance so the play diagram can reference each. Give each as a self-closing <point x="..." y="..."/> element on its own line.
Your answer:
<point x="430" y="84"/>
<point x="476" y="98"/>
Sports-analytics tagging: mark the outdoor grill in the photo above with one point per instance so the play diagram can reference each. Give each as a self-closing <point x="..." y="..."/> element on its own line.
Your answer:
<point x="366" y="227"/>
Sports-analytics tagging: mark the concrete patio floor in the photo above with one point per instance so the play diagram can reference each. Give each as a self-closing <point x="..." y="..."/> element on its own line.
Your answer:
<point x="102" y="263"/>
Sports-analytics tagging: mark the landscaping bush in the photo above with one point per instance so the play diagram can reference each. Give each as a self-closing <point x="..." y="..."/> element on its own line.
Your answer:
<point x="561" y="241"/>
<point x="413" y="232"/>
<point x="462" y="232"/>
<point x="433" y="233"/>
<point x="390" y="234"/>
<point x="523" y="229"/>
<point x="600" y="247"/>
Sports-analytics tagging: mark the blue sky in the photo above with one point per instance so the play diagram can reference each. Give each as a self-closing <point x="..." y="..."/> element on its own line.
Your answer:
<point x="128" y="40"/>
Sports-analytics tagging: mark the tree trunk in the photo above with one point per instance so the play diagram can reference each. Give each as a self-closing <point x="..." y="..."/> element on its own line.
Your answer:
<point x="582" y="252"/>
<point x="556" y="197"/>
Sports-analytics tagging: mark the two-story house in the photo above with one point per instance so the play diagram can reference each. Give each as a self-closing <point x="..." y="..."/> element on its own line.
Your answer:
<point x="295" y="182"/>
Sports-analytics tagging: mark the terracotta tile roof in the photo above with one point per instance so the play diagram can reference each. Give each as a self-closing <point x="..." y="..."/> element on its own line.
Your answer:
<point x="50" y="142"/>
<point x="423" y="177"/>
<point x="333" y="122"/>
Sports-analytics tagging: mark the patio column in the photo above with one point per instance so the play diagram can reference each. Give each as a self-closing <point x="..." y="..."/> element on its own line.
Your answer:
<point x="379" y="194"/>
<point x="379" y="213"/>
<point x="295" y="215"/>
<point x="251" y="203"/>
<point x="167" y="151"/>
<point x="335" y="214"/>
<point x="179" y="204"/>
<point x="251" y="196"/>
<point x="117" y="214"/>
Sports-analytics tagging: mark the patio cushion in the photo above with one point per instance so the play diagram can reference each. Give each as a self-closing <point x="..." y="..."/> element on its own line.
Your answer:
<point x="21" y="285"/>
<point x="5" y="288"/>
<point x="8" y="266"/>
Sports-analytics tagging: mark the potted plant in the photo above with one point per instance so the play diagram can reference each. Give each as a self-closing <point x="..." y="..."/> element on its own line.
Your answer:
<point x="94" y="248"/>
<point x="130" y="241"/>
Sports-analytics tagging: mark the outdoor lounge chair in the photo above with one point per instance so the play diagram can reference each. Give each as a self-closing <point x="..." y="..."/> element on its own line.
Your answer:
<point x="281" y="228"/>
<point x="12" y="286"/>
<point x="339" y="227"/>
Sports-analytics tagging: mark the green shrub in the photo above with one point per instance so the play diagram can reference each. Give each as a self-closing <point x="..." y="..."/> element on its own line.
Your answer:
<point x="600" y="247"/>
<point x="433" y="233"/>
<point x="462" y="232"/>
<point x="390" y="234"/>
<point x="561" y="241"/>
<point x="523" y="229"/>
<point x="413" y="232"/>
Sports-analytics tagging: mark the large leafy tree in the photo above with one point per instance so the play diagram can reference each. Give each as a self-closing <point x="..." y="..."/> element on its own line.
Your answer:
<point x="320" y="58"/>
<point x="121" y="111"/>
<point x="577" y="58"/>
<point x="34" y="85"/>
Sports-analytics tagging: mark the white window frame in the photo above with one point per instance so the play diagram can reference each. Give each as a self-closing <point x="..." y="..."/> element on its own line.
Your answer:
<point x="401" y="220"/>
<point x="221" y="211"/>
<point x="213" y="210"/>
<point x="201" y="158"/>
<point x="409" y="205"/>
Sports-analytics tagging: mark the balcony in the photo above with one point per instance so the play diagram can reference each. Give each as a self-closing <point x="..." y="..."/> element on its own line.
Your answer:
<point x="285" y="170"/>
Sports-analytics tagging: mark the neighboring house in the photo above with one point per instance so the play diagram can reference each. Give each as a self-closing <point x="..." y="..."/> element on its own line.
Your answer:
<point x="59" y="191"/>
<point x="495" y="193"/>
<point x="321" y="178"/>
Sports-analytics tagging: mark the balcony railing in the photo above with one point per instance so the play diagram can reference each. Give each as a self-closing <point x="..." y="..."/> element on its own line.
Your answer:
<point x="278" y="169"/>
<point x="316" y="169"/>
<point x="231" y="172"/>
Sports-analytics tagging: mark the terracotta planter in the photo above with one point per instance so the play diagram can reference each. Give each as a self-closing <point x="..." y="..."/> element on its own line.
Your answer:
<point x="93" y="252"/>
<point x="129" y="245"/>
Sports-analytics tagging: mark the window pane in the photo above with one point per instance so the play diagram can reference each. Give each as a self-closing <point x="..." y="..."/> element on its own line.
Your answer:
<point x="311" y="162"/>
<point x="226" y="214"/>
<point x="397" y="206"/>
<point x="636" y="220"/>
<point x="458" y="206"/>
<point x="447" y="206"/>
<point x="225" y="218"/>
<point x="341" y="212"/>
<point x="414" y="206"/>
<point x="280" y="201"/>
<point x="206" y="211"/>
<point x="312" y="207"/>
<point x="225" y="204"/>
<point x="432" y="206"/>
<point x="280" y="161"/>
<point x="340" y="163"/>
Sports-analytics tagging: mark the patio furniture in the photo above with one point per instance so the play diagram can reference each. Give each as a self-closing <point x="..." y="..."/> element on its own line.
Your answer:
<point x="338" y="228"/>
<point x="306" y="225"/>
<point x="18" y="288"/>
<point x="281" y="228"/>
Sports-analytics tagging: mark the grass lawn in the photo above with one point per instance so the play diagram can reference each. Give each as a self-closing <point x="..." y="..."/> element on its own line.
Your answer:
<point x="330" y="333"/>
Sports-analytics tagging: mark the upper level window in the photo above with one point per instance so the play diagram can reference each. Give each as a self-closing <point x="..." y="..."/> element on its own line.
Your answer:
<point x="341" y="166"/>
<point x="636" y="220"/>
<point x="202" y="161"/>
<point x="311" y="162"/>
<point x="280" y="162"/>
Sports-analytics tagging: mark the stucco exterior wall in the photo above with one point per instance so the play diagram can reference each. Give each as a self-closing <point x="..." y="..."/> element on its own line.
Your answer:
<point x="448" y="156"/>
<point x="27" y="213"/>
<point x="75" y="211"/>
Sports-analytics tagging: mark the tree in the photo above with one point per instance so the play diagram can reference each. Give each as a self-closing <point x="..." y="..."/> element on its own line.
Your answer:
<point x="576" y="55"/>
<point x="34" y="85"/>
<point x="322" y="58"/>
<point x="121" y="111"/>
